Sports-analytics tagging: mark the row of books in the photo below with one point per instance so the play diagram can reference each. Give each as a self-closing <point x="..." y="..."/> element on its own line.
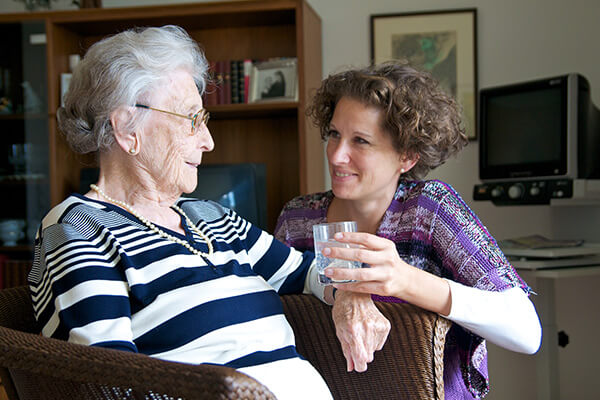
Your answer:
<point x="230" y="83"/>
<point x="247" y="81"/>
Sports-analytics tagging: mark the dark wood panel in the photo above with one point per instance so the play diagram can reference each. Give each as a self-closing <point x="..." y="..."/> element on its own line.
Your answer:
<point x="194" y="16"/>
<point x="253" y="110"/>
<point x="255" y="42"/>
<point x="312" y="178"/>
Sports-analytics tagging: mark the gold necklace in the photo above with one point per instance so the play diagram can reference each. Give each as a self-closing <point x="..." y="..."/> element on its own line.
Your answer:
<point x="157" y="230"/>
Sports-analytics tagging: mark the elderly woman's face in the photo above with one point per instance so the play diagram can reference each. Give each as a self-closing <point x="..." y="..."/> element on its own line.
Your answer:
<point x="170" y="151"/>
<point x="363" y="163"/>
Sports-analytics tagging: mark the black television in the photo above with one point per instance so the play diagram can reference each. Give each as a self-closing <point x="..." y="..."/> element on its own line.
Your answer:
<point x="535" y="139"/>
<point x="240" y="187"/>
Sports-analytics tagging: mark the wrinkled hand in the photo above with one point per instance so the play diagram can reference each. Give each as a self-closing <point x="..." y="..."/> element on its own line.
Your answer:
<point x="360" y="328"/>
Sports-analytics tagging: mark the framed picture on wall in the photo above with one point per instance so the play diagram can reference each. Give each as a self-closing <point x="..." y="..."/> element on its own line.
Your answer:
<point x="440" y="42"/>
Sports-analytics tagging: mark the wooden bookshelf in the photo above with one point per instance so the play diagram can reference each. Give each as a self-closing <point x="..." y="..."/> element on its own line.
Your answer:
<point x="276" y="134"/>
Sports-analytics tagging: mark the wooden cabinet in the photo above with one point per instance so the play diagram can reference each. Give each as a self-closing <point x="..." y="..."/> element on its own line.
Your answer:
<point x="276" y="134"/>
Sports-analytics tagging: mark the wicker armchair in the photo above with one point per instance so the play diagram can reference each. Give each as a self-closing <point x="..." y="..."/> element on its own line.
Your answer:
<point x="34" y="367"/>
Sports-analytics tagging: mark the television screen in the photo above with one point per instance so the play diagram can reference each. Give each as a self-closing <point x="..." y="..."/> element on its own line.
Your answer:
<point x="526" y="130"/>
<point x="240" y="187"/>
<point x="524" y="127"/>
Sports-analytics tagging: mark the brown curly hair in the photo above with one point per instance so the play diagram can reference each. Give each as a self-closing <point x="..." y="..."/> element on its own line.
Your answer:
<point x="422" y="120"/>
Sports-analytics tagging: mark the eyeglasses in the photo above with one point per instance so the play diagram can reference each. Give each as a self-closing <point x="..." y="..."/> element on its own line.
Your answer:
<point x="201" y="117"/>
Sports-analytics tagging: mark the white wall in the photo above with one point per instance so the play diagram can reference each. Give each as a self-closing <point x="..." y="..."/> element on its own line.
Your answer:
<point x="516" y="40"/>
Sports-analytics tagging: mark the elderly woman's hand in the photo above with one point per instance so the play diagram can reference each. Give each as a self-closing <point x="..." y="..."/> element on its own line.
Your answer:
<point x="360" y="328"/>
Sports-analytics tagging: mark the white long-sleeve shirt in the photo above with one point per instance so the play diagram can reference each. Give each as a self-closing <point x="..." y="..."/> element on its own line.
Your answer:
<point x="507" y="319"/>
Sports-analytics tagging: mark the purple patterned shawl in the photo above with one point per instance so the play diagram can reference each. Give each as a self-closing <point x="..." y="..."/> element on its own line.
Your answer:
<point x="434" y="230"/>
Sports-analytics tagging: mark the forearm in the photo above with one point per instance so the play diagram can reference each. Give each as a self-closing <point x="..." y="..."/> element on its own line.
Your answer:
<point x="507" y="319"/>
<point x="427" y="291"/>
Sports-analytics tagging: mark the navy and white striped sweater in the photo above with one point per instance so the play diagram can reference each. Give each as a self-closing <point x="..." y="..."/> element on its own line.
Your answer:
<point x="100" y="277"/>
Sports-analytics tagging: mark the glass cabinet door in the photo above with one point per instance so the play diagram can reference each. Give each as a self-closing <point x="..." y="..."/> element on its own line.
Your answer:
<point x="24" y="165"/>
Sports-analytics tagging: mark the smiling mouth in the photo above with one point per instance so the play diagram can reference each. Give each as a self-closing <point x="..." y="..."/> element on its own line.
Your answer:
<point x="193" y="165"/>
<point x="342" y="175"/>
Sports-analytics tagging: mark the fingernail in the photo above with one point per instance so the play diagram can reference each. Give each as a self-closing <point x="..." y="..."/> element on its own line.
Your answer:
<point x="326" y="251"/>
<point x="339" y="235"/>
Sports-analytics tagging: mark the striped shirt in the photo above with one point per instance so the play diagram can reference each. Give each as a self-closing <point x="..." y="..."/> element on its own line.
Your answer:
<point x="102" y="278"/>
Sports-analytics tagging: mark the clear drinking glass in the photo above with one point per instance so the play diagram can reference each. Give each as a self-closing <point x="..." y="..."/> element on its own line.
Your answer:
<point x="323" y="237"/>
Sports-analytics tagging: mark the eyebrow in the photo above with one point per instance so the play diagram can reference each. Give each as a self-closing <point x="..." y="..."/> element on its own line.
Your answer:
<point x="194" y="108"/>
<point x="362" y="133"/>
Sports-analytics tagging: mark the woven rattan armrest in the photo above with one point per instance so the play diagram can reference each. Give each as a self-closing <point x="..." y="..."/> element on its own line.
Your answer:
<point x="28" y="355"/>
<point x="45" y="368"/>
<point x="410" y="365"/>
<point x="32" y="356"/>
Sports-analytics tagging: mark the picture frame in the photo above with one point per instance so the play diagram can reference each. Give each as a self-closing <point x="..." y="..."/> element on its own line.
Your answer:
<point x="274" y="80"/>
<point x="443" y="43"/>
<point x="65" y="81"/>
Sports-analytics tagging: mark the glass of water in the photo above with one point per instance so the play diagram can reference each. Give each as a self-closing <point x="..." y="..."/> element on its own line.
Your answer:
<point x="323" y="237"/>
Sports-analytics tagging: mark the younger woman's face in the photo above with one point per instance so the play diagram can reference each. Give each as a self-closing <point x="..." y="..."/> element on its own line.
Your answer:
<point x="363" y="163"/>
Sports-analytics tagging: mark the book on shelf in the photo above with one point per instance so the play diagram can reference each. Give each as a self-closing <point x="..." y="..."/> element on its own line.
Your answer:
<point x="234" y="81"/>
<point x="210" y="92"/>
<point x="226" y="82"/>
<point x="220" y="82"/>
<point x="247" y="73"/>
<point x="240" y="81"/>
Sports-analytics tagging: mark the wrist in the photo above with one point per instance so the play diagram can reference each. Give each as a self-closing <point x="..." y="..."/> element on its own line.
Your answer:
<point x="344" y="295"/>
<point x="329" y="294"/>
<point x="412" y="284"/>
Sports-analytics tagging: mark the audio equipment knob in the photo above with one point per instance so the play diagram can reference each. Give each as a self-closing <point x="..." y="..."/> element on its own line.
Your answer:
<point x="516" y="191"/>
<point x="534" y="191"/>
<point x="497" y="191"/>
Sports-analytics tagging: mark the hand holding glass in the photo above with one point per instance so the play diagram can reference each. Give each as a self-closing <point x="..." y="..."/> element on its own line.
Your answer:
<point x="323" y="237"/>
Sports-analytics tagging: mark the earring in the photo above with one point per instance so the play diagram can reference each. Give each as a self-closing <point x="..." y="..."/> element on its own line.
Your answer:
<point x="132" y="151"/>
<point x="401" y="170"/>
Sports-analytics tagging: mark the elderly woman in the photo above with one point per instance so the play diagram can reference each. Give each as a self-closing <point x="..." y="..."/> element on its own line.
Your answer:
<point x="386" y="127"/>
<point x="132" y="265"/>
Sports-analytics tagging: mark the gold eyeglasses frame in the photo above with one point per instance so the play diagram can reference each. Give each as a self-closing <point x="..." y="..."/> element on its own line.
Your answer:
<point x="199" y="118"/>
